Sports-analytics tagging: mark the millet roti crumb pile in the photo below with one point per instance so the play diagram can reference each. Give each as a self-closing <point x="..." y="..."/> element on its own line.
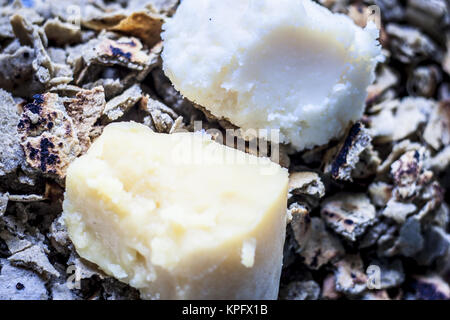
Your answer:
<point x="376" y="200"/>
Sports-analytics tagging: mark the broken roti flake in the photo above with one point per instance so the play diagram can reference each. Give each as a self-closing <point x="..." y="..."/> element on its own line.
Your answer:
<point x="118" y="106"/>
<point x="306" y="183"/>
<point x="85" y="109"/>
<point x="380" y="192"/>
<point x="398" y="119"/>
<point x="3" y="202"/>
<point x="348" y="214"/>
<point x="431" y="287"/>
<point x="398" y="211"/>
<point x="410" y="174"/>
<point x="144" y="25"/>
<point x="62" y="32"/>
<point x="386" y="78"/>
<point x="161" y="118"/>
<point x="437" y="131"/>
<point x="127" y="52"/>
<point x="36" y="259"/>
<point x="351" y="278"/>
<point x="11" y="154"/>
<point x="20" y="284"/>
<point x="348" y="156"/>
<point x="317" y="246"/>
<point x="409" y="45"/>
<point x="48" y="135"/>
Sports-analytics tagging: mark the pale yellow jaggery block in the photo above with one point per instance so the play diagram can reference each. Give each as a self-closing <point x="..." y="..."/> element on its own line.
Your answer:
<point x="291" y="65"/>
<point x="151" y="211"/>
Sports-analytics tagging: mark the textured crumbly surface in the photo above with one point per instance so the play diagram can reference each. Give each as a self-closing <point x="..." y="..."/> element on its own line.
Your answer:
<point x="261" y="66"/>
<point x="406" y="110"/>
<point x="175" y="227"/>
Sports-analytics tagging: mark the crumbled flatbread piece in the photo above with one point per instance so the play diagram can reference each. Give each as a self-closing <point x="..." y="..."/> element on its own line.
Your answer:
<point x="348" y="214"/>
<point x="399" y="119"/>
<point x="398" y="150"/>
<point x="20" y="284"/>
<point x="410" y="240"/>
<point x="437" y="244"/>
<point x="15" y="243"/>
<point x="118" y="106"/>
<point x="35" y="258"/>
<point x="103" y="20"/>
<point x="433" y="194"/>
<point x="107" y="51"/>
<point x="3" y="202"/>
<point x="172" y="98"/>
<point x="350" y="276"/>
<point x="431" y="287"/>
<point x="317" y="245"/>
<point x="142" y="24"/>
<point x="391" y="272"/>
<point x="373" y="234"/>
<point x="48" y="135"/>
<point x="59" y="237"/>
<point x="126" y="52"/>
<point x="11" y="154"/>
<point x="31" y="35"/>
<point x="380" y="193"/>
<point x="386" y="78"/>
<point x="112" y="87"/>
<point x="177" y="125"/>
<point x="446" y="61"/>
<point x="61" y="291"/>
<point x="440" y="161"/>
<point x="298" y="211"/>
<point x="85" y="109"/>
<point x="409" y="45"/>
<point x="85" y="268"/>
<point x="306" y="183"/>
<point x="440" y="216"/>
<point x="62" y="33"/>
<point x="26" y="197"/>
<point x="398" y="211"/>
<point x="16" y="72"/>
<point x="410" y="174"/>
<point x="430" y="16"/>
<point x="437" y="131"/>
<point x="329" y="288"/>
<point x="357" y="140"/>
<point x="10" y="8"/>
<point x="423" y="81"/>
<point x="300" y="290"/>
<point x="161" y="118"/>
<point x="166" y="7"/>
<point x="367" y="165"/>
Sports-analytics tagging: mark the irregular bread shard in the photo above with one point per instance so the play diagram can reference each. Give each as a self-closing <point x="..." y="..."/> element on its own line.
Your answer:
<point x="289" y="65"/>
<point x="199" y="222"/>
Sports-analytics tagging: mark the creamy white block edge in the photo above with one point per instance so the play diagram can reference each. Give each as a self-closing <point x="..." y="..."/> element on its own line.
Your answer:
<point x="272" y="64"/>
<point x="145" y="212"/>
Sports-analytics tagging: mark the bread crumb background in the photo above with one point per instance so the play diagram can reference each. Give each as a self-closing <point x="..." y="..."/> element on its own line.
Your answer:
<point x="378" y="196"/>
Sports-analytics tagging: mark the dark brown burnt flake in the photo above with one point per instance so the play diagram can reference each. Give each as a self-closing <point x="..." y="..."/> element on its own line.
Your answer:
<point x="347" y="158"/>
<point x="47" y="135"/>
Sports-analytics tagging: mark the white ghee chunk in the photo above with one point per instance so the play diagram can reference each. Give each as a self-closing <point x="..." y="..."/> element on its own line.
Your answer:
<point x="138" y="207"/>
<point x="272" y="64"/>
